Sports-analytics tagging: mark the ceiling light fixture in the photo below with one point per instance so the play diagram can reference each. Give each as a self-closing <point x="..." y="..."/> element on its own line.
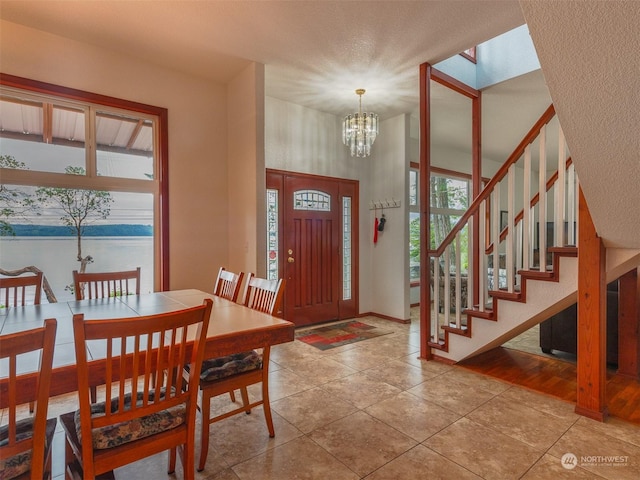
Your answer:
<point x="359" y="130"/>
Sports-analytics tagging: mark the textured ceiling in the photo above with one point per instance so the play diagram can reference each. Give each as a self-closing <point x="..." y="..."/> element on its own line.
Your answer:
<point x="316" y="52"/>
<point x="594" y="80"/>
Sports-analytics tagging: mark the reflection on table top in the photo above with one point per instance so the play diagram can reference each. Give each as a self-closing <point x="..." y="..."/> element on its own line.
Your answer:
<point x="232" y="327"/>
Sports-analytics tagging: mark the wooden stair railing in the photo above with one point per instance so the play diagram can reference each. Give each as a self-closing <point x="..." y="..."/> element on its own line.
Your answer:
<point x="552" y="205"/>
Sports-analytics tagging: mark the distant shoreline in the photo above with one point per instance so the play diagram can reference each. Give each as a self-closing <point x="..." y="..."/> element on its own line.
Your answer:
<point x="117" y="230"/>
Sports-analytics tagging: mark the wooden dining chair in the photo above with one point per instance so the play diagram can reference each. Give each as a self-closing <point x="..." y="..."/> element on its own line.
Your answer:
<point x="25" y="444"/>
<point x="135" y="420"/>
<point x="240" y="370"/>
<point x="89" y="285"/>
<point x="93" y="285"/>
<point x="19" y="291"/>
<point x="228" y="284"/>
<point x="264" y="295"/>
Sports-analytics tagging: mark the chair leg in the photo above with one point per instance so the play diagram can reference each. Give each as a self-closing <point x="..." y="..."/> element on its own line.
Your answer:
<point x="267" y="404"/>
<point x="93" y="391"/>
<point x="232" y="395"/>
<point x="47" y="466"/>
<point x="69" y="460"/>
<point x="204" y="442"/>
<point x="171" y="468"/>
<point x="245" y="398"/>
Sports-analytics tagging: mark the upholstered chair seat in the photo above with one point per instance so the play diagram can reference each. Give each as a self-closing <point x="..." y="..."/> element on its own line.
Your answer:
<point x="20" y="463"/>
<point x="222" y="367"/>
<point x="115" y="435"/>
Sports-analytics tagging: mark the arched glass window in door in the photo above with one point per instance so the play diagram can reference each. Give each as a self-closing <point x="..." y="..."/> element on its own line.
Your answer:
<point x="311" y="200"/>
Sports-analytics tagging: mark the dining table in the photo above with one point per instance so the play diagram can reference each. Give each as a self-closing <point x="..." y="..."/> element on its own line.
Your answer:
<point x="233" y="328"/>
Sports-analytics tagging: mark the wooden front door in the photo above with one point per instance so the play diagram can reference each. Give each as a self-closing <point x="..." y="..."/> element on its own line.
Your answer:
<point x="314" y="233"/>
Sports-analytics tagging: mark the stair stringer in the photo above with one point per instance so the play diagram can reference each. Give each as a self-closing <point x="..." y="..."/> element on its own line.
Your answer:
<point x="544" y="298"/>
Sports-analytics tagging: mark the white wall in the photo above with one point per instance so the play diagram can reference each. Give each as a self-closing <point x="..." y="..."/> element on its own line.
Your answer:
<point x="198" y="208"/>
<point x="246" y="172"/>
<point x="390" y="255"/>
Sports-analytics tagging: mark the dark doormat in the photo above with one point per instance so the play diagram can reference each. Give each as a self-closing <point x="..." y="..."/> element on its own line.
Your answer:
<point x="339" y="334"/>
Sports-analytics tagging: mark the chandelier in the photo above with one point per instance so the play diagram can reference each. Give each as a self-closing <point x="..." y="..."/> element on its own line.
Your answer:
<point x="359" y="130"/>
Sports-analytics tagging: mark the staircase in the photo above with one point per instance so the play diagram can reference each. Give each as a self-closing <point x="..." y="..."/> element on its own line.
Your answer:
<point x="480" y="307"/>
<point x="476" y="307"/>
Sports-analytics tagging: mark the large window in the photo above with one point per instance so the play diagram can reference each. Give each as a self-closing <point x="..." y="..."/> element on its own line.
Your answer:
<point x="81" y="183"/>
<point x="450" y="196"/>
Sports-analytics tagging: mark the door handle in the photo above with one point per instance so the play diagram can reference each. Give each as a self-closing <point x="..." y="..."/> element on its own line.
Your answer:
<point x="290" y="260"/>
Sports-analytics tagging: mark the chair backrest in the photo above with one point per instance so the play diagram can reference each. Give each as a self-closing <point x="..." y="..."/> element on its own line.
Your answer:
<point x="144" y="358"/>
<point x="264" y="295"/>
<point x="106" y="284"/>
<point x="13" y="290"/>
<point x="21" y="384"/>
<point x="228" y="284"/>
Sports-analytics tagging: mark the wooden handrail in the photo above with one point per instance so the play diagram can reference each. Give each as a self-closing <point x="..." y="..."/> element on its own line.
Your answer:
<point x="546" y="117"/>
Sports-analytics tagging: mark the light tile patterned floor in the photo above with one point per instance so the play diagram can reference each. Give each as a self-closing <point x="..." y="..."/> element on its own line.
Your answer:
<point x="374" y="410"/>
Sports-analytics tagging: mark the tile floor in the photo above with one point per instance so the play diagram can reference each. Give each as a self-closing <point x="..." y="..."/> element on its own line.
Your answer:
<point x="373" y="410"/>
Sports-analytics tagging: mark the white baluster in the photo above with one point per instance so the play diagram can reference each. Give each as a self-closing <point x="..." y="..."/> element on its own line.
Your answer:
<point x="558" y="231"/>
<point x="526" y="212"/>
<point x="447" y="284"/>
<point x="571" y="205"/>
<point x="577" y="187"/>
<point x="482" y="277"/>
<point x="470" y="256"/>
<point x="495" y="233"/>
<point x="458" y="261"/>
<point x="518" y="233"/>
<point x="542" y="202"/>
<point x="435" y="325"/>
<point x="510" y="236"/>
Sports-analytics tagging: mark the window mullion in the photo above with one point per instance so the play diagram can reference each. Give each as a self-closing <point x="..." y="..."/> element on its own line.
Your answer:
<point x="91" y="161"/>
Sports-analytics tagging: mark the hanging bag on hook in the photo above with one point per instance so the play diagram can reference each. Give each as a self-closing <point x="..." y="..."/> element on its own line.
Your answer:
<point x="380" y="224"/>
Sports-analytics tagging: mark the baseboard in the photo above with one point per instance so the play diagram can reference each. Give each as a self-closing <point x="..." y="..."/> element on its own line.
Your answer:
<point x="385" y="317"/>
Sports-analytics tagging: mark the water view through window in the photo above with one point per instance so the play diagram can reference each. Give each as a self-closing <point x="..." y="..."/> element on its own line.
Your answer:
<point x="122" y="241"/>
<point x="56" y="257"/>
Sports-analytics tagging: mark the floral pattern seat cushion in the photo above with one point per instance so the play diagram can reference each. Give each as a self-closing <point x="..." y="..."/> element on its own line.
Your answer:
<point x="16" y="465"/>
<point x="111" y="436"/>
<point x="222" y="367"/>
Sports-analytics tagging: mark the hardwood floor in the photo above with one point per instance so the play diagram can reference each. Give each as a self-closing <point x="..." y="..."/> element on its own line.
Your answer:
<point x="556" y="378"/>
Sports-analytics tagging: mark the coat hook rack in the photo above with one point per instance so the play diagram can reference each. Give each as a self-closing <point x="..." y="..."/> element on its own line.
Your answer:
<point x="386" y="203"/>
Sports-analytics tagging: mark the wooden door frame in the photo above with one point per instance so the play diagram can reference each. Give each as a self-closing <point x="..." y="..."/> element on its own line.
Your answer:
<point x="347" y="188"/>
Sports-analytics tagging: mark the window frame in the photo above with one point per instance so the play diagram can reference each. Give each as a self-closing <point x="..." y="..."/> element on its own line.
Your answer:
<point x="415" y="207"/>
<point x="159" y="187"/>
